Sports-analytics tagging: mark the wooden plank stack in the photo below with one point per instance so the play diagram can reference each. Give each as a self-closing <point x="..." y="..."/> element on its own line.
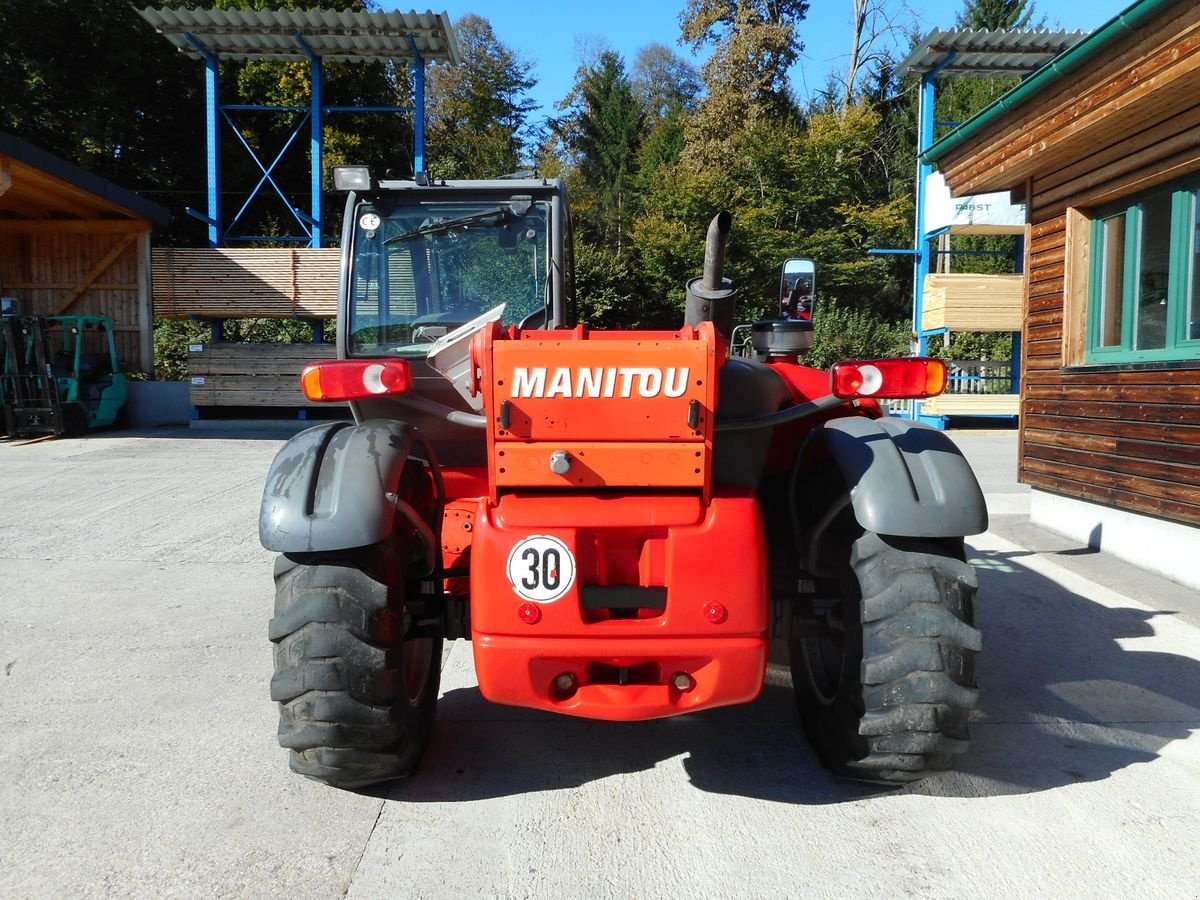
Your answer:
<point x="255" y="375"/>
<point x="227" y="283"/>
<point x="973" y="302"/>
<point x="972" y="405"/>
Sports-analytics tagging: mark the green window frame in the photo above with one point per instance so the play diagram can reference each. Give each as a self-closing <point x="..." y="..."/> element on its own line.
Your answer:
<point x="1139" y="310"/>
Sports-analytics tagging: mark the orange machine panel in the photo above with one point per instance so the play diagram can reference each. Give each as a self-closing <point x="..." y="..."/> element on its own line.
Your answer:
<point x="600" y="409"/>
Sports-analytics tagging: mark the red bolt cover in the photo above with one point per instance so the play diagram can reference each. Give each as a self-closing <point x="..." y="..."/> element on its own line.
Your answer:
<point x="715" y="612"/>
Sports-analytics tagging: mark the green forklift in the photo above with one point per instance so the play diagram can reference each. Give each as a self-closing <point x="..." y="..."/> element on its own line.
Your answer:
<point x="59" y="374"/>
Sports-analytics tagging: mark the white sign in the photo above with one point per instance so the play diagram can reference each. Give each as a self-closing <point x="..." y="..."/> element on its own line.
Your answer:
<point x="197" y="379"/>
<point x="541" y="568"/>
<point x="942" y="210"/>
<point x="195" y="348"/>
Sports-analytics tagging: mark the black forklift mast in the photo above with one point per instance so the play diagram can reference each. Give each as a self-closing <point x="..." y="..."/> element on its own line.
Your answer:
<point x="28" y="390"/>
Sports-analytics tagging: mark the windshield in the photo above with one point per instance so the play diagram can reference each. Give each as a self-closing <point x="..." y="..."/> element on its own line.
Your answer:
<point x="423" y="269"/>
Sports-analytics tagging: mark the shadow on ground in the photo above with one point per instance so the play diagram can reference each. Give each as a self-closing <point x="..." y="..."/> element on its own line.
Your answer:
<point x="1063" y="702"/>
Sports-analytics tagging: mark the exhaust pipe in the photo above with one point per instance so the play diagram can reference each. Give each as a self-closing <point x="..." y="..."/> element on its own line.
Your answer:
<point x="713" y="297"/>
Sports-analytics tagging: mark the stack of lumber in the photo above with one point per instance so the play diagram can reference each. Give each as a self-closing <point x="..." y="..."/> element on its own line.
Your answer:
<point x="972" y="302"/>
<point x="972" y="405"/>
<point x="227" y="374"/>
<point x="224" y="284"/>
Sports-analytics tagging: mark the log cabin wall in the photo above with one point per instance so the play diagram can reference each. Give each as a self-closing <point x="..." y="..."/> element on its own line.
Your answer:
<point x="1125" y="436"/>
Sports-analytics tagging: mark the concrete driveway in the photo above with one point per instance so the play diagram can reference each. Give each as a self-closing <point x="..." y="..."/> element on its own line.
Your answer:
<point x="138" y="754"/>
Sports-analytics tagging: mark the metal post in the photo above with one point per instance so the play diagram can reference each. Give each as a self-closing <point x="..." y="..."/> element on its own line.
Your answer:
<point x="212" y="93"/>
<point x="317" y="141"/>
<point x="926" y="106"/>
<point x="419" y="108"/>
<point x="924" y="141"/>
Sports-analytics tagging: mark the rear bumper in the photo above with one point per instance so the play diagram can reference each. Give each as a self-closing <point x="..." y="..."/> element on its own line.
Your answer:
<point x="696" y="574"/>
<point x="522" y="671"/>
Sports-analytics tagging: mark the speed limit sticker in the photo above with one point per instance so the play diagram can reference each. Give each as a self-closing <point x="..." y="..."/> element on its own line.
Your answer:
<point x="541" y="568"/>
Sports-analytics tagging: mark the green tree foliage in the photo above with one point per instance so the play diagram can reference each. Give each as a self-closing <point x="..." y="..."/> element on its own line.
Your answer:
<point x="601" y="133"/>
<point x="997" y="15"/>
<point x="754" y="43"/>
<point x="840" y="332"/>
<point x="91" y="82"/>
<point x="478" y="112"/>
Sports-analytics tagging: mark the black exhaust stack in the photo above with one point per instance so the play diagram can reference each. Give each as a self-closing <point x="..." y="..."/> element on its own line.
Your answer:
<point x="712" y="297"/>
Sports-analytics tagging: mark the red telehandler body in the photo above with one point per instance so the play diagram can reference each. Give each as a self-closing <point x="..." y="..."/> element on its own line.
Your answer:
<point x="620" y="522"/>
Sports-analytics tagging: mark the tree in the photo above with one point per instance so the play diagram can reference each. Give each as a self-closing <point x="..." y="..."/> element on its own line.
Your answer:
<point x="997" y="15"/>
<point x="662" y="79"/>
<point x="478" y="112"/>
<point x="754" y="44"/>
<point x="120" y="102"/>
<point x="870" y="21"/>
<point x="602" y="131"/>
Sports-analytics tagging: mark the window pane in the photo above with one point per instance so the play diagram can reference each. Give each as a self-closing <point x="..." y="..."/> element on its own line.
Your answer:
<point x="1112" y="278"/>
<point x="1192" y="327"/>
<point x="1154" y="269"/>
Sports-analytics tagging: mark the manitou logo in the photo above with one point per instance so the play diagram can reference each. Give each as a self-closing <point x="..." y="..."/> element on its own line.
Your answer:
<point x="615" y="381"/>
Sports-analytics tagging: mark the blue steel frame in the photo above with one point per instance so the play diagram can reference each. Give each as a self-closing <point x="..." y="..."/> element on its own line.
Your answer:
<point x="921" y="251"/>
<point x="312" y="221"/>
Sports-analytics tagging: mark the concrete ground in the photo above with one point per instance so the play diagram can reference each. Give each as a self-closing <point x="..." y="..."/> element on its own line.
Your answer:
<point x="138" y="753"/>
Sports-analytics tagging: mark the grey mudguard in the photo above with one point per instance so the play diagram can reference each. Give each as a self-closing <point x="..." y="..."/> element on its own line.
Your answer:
<point x="906" y="478"/>
<point x="334" y="487"/>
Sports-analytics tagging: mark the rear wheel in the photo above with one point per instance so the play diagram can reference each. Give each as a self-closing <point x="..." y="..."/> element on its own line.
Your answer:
<point x="886" y="692"/>
<point x="356" y="697"/>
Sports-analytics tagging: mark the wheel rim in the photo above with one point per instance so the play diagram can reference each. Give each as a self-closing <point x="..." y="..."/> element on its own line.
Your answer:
<point x="416" y="660"/>
<point x="823" y="664"/>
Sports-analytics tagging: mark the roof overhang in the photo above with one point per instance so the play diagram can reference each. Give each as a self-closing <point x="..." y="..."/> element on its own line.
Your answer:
<point x="290" y="34"/>
<point x="37" y="186"/>
<point x="986" y="54"/>
<point x="996" y="150"/>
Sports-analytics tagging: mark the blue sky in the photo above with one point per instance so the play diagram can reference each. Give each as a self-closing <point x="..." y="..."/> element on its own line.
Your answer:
<point x="546" y="31"/>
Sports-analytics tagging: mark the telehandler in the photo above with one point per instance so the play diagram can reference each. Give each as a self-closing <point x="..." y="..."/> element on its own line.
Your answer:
<point x="621" y="522"/>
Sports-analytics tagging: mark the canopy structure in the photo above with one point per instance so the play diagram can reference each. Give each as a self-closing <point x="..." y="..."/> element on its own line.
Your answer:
<point x="315" y="36"/>
<point x="986" y="54"/>
<point x="972" y="54"/>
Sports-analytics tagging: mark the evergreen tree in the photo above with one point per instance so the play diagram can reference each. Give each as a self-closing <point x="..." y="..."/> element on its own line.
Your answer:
<point x="478" y="112"/>
<point x="601" y="132"/>
<point x="997" y="15"/>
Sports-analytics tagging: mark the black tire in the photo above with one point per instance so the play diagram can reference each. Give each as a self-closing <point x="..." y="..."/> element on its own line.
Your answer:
<point x="74" y="419"/>
<point x="356" y="700"/>
<point x="886" y="694"/>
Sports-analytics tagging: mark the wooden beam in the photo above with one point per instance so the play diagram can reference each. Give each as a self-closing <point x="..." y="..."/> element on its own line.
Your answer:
<point x="96" y="271"/>
<point x="72" y="226"/>
<point x="145" y="305"/>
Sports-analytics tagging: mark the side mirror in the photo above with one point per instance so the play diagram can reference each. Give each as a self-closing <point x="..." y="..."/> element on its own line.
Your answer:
<point x="797" y="289"/>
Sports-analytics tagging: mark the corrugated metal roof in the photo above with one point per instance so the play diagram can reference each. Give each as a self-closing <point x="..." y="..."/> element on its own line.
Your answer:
<point x="332" y="34"/>
<point x="987" y="53"/>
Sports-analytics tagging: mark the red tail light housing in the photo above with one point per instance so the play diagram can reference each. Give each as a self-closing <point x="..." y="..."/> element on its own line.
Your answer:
<point x="913" y="377"/>
<point x="355" y="379"/>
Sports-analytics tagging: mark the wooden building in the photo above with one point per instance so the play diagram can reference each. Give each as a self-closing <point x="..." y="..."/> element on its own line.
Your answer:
<point x="1103" y="146"/>
<point x="71" y="242"/>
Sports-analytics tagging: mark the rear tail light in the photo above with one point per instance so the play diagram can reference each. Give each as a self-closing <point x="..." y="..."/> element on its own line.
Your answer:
<point x="355" y="379"/>
<point x="910" y="378"/>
